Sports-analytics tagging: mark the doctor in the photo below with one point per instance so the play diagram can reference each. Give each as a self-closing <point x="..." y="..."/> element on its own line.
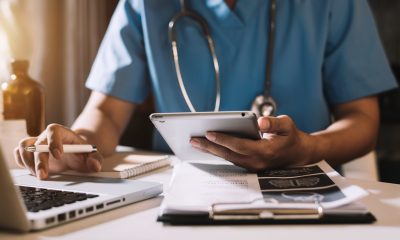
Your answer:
<point x="320" y="62"/>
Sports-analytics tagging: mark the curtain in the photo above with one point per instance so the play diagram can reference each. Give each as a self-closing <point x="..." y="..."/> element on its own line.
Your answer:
<point x="60" y="39"/>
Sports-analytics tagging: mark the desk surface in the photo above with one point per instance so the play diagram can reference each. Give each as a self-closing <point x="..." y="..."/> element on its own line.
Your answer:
<point x="138" y="221"/>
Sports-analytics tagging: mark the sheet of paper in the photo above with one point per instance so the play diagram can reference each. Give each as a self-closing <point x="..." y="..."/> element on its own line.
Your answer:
<point x="196" y="186"/>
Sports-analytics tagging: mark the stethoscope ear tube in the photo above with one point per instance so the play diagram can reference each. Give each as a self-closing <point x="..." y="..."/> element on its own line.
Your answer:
<point x="173" y="40"/>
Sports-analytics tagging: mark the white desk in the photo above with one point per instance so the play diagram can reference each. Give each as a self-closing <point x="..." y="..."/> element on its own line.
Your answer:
<point x="138" y="221"/>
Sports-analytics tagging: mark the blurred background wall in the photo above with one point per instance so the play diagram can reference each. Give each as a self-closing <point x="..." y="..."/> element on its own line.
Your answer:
<point x="61" y="37"/>
<point x="387" y="15"/>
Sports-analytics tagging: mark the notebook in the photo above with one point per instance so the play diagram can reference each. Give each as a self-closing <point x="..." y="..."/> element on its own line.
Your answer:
<point x="128" y="164"/>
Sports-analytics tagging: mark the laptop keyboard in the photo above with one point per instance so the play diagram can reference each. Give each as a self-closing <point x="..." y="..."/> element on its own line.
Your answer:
<point x="38" y="199"/>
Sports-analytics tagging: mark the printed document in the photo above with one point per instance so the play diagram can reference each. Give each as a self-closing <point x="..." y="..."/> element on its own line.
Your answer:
<point x="198" y="186"/>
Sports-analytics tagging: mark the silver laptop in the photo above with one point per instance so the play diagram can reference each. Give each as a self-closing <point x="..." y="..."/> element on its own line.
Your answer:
<point x="27" y="203"/>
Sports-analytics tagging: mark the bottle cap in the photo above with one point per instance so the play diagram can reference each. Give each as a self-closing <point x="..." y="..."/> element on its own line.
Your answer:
<point x="19" y="66"/>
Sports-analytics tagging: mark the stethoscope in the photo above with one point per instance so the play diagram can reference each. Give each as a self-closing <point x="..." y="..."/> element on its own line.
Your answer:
<point x="263" y="105"/>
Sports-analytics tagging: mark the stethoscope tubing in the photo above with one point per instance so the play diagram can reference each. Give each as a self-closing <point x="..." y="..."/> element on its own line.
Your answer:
<point x="172" y="37"/>
<point x="263" y="104"/>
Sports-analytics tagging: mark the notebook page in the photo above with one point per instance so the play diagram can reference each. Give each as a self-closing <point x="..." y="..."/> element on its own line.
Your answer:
<point x="128" y="164"/>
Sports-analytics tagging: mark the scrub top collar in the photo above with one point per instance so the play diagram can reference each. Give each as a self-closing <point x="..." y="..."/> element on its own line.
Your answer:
<point x="237" y="17"/>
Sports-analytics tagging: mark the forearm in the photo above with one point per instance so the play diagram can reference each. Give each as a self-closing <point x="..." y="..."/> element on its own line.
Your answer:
<point x="352" y="135"/>
<point x="103" y="121"/>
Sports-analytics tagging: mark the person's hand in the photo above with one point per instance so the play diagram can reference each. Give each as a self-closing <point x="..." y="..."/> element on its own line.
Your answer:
<point x="282" y="145"/>
<point x="41" y="164"/>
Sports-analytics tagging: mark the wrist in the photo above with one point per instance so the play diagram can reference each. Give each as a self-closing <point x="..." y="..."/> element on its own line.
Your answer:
<point x="318" y="144"/>
<point x="310" y="149"/>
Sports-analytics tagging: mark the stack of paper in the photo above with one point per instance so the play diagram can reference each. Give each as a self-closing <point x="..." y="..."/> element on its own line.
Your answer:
<point x="211" y="189"/>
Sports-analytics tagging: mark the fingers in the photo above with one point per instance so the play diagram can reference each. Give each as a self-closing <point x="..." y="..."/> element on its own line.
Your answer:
<point x="55" y="141"/>
<point x="278" y="148"/>
<point x="41" y="165"/>
<point x="18" y="158"/>
<point x="56" y="135"/>
<point x="84" y="162"/>
<point x="218" y="150"/>
<point x="239" y="145"/>
<point x="281" y="125"/>
<point x="244" y="161"/>
<point x="94" y="162"/>
<point x="41" y="160"/>
<point x="37" y="165"/>
<point x="27" y="158"/>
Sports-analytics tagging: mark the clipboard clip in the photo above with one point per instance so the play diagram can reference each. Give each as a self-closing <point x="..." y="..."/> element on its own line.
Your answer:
<point x="260" y="209"/>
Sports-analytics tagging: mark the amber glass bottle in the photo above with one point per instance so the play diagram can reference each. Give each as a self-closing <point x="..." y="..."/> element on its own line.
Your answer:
<point x="24" y="98"/>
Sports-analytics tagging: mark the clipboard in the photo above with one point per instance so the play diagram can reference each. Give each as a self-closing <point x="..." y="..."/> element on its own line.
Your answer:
<point x="318" y="196"/>
<point x="222" y="214"/>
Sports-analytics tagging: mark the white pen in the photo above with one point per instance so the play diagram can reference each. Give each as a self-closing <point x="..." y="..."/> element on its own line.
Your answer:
<point x="68" y="148"/>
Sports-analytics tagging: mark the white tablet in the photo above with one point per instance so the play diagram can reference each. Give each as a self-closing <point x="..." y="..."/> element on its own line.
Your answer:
<point x="178" y="128"/>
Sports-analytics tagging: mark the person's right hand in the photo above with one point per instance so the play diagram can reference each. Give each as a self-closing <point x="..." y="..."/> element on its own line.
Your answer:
<point x="55" y="135"/>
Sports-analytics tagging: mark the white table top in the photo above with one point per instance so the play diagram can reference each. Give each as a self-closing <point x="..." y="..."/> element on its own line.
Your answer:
<point x="138" y="221"/>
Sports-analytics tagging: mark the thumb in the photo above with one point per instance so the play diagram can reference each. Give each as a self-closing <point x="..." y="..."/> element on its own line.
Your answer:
<point x="278" y="125"/>
<point x="94" y="161"/>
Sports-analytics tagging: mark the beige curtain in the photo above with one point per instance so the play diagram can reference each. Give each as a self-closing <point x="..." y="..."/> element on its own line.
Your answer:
<point x="60" y="39"/>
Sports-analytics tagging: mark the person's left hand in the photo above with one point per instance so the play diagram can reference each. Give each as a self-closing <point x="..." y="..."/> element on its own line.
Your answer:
<point x="282" y="145"/>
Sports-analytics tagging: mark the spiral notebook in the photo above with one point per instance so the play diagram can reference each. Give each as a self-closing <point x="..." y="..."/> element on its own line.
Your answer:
<point x="128" y="164"/>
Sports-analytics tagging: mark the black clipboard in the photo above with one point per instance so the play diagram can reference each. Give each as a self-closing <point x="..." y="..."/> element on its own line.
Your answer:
<point x="314" y="215"/>
<point x="203" y="219"/>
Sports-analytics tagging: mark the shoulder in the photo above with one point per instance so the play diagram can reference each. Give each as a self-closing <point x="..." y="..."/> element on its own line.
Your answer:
<point x="343" y="7"/>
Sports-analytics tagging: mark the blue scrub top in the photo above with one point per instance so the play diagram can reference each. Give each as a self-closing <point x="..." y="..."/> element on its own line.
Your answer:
<point x="326" y="53"/>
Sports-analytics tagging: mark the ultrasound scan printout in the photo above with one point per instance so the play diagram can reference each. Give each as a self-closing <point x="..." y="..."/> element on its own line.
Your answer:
<point x="299" y="184"/>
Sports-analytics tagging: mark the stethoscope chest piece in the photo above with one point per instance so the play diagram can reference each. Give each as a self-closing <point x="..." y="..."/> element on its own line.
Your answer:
<point x="264" y="107"/>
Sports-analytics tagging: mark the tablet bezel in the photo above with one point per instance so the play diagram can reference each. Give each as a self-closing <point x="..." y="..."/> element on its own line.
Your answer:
<point x="178" y="128"/>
